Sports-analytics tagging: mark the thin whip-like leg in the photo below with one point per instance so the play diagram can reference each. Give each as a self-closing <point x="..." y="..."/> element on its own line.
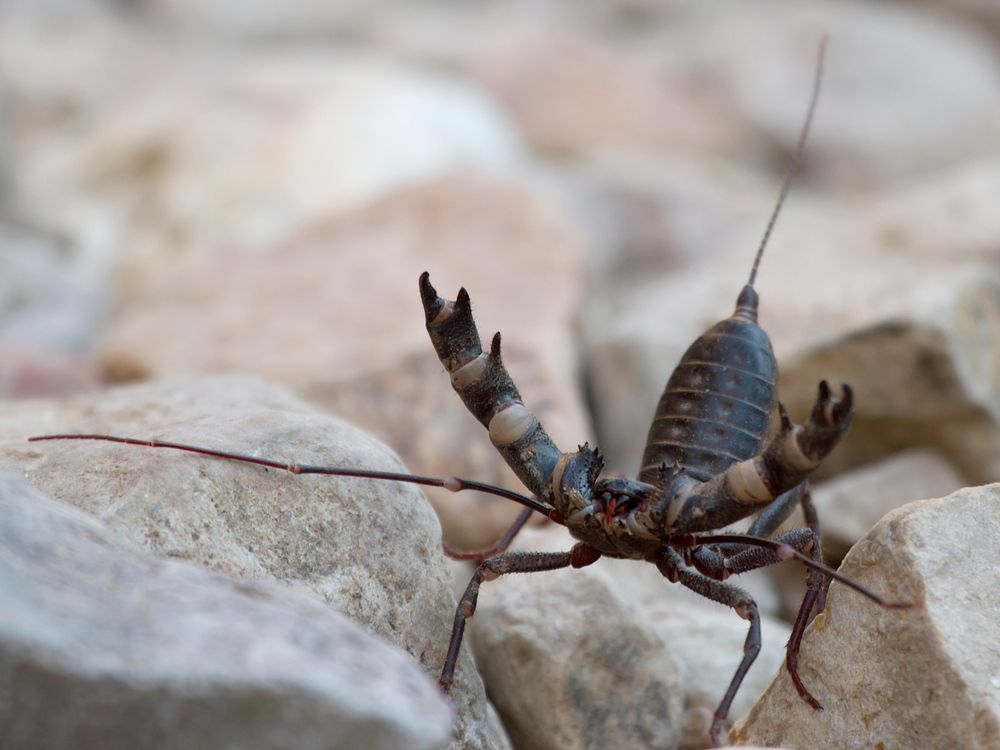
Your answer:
<point x="671" y="565"/>
<point x="500" y="545"/>
<point x="488" y="570"/>
<point x="803" y="541"/>
<point x="454" y="484"/>
<point x="785" y="552"/>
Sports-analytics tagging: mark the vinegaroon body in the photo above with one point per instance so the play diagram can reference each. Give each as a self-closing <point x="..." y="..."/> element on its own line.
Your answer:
<point x="720" y="448"/>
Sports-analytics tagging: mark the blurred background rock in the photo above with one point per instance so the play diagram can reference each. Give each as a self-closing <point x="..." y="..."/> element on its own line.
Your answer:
<point x="195" y="187"/>
<point x="192" y="187"/>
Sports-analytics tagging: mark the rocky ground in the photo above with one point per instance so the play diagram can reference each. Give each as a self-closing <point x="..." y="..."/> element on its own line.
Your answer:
<point x="212" y="219"/>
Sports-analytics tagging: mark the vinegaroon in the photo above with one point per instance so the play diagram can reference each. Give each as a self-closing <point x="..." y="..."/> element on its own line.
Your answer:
<point x="720" y="448"/>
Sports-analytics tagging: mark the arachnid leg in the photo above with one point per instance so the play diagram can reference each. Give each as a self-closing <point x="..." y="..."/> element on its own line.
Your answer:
<point x="787" y="460"/>
<point x="812" y="521"/>
<point x="670" y="565"/>
<point x="775" y="514"/>
<point x="501" y="544"/>
<point x="507" y="562"/>
<point x="751" y="558"/>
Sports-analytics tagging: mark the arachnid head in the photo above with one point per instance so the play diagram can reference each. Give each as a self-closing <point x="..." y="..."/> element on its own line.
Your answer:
<point x="617" y="497"/>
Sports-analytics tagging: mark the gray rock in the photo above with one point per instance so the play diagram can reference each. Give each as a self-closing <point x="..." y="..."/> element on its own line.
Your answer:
<point x="370" y="549"/>
<point x="925" y="677"/>
<point x="706" y="642"/>
<point x="101" y="644"/>
<point x="50" y="313"/>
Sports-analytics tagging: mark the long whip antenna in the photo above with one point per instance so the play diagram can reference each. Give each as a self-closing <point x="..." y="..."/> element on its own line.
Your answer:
<point x="796" y="161"/>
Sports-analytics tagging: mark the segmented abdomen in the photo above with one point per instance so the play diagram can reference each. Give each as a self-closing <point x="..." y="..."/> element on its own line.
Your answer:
<point x="717" y="405"/>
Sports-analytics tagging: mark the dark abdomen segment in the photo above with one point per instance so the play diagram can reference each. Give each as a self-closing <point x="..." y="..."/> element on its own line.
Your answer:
<point x="717" y="405"/>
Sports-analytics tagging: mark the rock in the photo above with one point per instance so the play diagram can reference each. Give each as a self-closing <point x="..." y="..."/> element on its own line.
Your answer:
<point x="46" y="300"/>
<point x="931" y="318"/>
<point x="50" y="314"/>
<point x="706" y="642"/>
<point x="28" y="372"/>
<point x="572" y="83"/>
<point x="574" y="95"/>
<point x="335" y="313"/>
<point x="946" y="214"/>
<point x="850" y="504"/>
<point x="303" y="20"/>
<point x="369" y="549"/>
<point x="646" y="215"/>
<point x="873" y="669"/>
<point x="883" y="116"/>
<point x="611" y="655"/>
<point x="569" y="666"/>
<point x="240" y="151"/>
<point x="162" y="654"/>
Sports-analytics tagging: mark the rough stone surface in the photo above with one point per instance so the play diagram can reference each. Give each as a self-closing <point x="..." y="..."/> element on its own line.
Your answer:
<point x="611" y="655"/>
<point x="335" y="312"/>
<point x="370" y="549"/>
<point x="850" y="504"/>
<point x="103" y="644"/>
<point x="926" y="677"/>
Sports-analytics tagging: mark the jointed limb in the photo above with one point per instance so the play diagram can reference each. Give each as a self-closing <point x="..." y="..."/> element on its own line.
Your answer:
<point x="507" y="562"/>
<point x="671" y="565"/>
<point x="500" y="545"/>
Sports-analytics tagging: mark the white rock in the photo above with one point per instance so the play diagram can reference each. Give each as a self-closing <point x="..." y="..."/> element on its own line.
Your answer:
<point x="370" y="549"/>
<point x="100" y="640"/>
<point x="925" y="677"/>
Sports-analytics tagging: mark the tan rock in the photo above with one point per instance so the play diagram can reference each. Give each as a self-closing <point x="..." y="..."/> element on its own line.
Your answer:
<point x="946" y="214"/>
<point x="925" y="677"/>
<point x="569" y="666"/>
<point x="570" y="95"/>
<point x="370" y="549"/>
<point x="881" y="119"/>
<point x="576" y="658"/>
<point x="335" y="313"/>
